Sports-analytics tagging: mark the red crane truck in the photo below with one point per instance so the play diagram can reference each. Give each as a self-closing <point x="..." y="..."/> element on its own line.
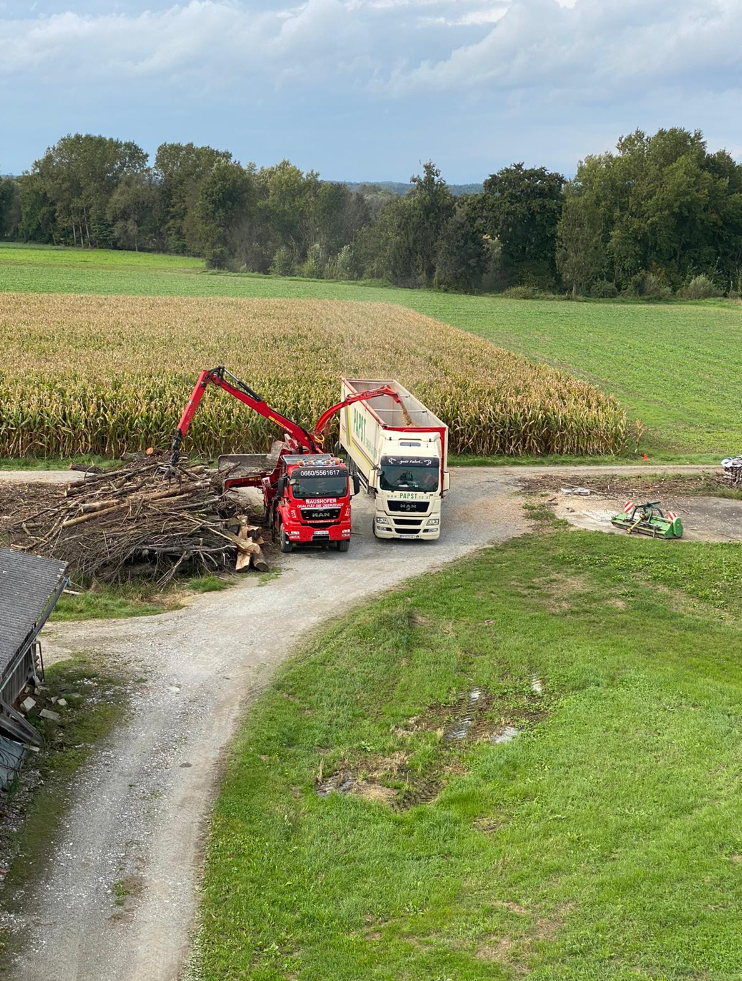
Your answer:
<point x="306" y="491"/>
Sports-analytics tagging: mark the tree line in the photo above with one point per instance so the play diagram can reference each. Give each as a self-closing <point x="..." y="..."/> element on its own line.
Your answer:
<point x="659" y="214"/>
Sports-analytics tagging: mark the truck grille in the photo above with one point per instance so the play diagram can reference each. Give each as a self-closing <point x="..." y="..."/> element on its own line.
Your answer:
<point x="408" y="507"/>
<point x="320" y="516"/>
<point x="411" y="523"/>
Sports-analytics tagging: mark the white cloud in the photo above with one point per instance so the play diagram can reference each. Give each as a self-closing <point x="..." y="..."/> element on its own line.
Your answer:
<point x="351" y="70"/>
<point x="596" y="45"/>
<point x="395" y="47"/>
<point x="202" y="38"/>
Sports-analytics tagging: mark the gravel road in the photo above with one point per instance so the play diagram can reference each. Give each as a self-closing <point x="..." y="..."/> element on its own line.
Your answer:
<point x="68" y="476"/>
<point x="140" y="806"/>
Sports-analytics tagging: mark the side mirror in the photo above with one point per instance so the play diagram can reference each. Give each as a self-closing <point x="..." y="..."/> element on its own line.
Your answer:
<point x="280" y="487"/>
<point x="446" y="480"/>
<point x="356" y="484"/>
<point x="373" y="479"/>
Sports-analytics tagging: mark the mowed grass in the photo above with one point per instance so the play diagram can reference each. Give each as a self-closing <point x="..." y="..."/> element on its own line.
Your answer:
<point x="39" y="256"/>
<point x="674" y="366"/>
<point x="603" y="843"/>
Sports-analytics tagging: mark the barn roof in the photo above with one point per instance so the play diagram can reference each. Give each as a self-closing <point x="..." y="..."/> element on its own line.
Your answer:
<point x="27" y="584"/>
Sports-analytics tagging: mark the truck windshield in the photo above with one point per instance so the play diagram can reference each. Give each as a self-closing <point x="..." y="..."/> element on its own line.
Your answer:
<point x="409" y="474"/>
<point x="314" y="484"/>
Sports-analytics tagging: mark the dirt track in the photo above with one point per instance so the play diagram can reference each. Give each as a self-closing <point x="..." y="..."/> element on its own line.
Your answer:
<point x="140" y="805"/>
<point x="705" y="519"/>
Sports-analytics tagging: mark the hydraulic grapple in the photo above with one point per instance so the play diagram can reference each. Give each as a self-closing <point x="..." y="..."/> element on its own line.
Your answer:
<point x="648" y="519"/>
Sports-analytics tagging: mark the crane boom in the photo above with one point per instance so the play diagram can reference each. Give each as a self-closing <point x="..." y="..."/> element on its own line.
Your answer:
<point x="311" y="441"/>
<point x="374" y="393"/>
<point x="240" y="390"/>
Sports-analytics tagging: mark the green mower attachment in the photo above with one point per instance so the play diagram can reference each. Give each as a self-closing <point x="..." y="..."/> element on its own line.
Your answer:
<point x="648" y="519"/>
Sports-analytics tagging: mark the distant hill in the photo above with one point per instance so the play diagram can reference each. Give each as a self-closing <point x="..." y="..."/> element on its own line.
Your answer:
<point x="396" y="187"/>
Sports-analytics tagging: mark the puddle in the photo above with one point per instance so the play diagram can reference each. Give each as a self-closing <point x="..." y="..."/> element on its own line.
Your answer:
<point x="460" y="728"/>
<point x="341" y="783"/>
<point x="505" y="735"/>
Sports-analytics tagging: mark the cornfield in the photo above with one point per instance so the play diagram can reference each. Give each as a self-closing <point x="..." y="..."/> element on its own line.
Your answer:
<point x="95" y="374"/>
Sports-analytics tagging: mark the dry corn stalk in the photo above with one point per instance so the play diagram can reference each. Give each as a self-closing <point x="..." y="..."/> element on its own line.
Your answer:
<point x="110" y="374"/>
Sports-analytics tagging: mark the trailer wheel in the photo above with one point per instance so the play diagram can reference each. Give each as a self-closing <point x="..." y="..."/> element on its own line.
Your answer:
<point x="286" y="543"/>
<point x="344" y="546"/>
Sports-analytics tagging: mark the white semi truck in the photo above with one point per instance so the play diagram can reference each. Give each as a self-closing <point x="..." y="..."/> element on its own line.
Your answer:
<point x="400" y="452"/>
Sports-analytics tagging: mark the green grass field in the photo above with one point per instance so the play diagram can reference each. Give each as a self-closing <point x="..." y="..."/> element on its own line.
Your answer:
<point x="674" y="366"/>
<point x="603" y="843"/>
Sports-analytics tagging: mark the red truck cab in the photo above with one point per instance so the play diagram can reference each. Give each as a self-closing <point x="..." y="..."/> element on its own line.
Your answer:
<point x="309" y="503"/>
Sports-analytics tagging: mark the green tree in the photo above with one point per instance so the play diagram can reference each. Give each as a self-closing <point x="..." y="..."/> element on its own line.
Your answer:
<point x="226" y="199"/>
<point x="580" y="254"/>
<point x="402" y="243"/>
<point x="132" y="212"/>
<point x="522" y="208"/>
<point x="666" y="206"/>
<point x="77" y="177"/>
<point x="378" y="248"/>
<point x="426" y="210"/>
<point x="462" y="248"/>
<point x="38" y="215"/>
<point x="181" y="169"/>
<point x="339" y="215"/>
<point x="8" y="206"/>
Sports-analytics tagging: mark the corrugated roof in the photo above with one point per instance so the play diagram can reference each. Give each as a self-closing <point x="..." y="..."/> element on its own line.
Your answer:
<point x="26" y="584"/>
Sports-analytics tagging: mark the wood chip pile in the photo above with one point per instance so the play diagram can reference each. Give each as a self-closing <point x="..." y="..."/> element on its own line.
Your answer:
<point x="137" y="522"/>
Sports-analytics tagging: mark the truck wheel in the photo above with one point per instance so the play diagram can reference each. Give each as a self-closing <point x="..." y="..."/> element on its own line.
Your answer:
<point x="344" y="546"/>
<point x="286" y="543"/>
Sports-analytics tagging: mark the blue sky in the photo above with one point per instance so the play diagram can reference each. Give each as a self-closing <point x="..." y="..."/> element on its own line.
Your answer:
<point x="367" y="89"/>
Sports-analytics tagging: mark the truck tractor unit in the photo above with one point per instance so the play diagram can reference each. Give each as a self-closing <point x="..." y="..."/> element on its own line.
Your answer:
<point x="311" y="503"/>
<point x="306" y="492"/>
<point x="399" y="449"/>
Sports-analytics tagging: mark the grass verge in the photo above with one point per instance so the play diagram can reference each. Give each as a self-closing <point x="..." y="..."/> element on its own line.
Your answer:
<point x="96" y="700"/>
<point x="602" y="842"/>
<point x="106" y="602"/>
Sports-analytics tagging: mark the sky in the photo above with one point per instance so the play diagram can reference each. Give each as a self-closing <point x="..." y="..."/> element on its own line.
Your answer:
<point x="370" y="89"/>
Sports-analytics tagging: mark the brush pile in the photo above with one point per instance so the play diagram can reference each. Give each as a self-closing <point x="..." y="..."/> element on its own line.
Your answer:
<point x="137" y="522"/>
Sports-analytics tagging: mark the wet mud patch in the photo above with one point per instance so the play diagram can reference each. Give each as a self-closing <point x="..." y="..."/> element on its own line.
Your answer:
<point x="474" y="716"/>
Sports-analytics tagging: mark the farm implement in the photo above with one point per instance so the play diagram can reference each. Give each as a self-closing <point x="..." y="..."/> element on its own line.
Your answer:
<point x="648" y="519"/>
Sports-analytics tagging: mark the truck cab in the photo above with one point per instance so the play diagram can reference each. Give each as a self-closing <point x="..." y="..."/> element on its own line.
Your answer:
<point x="309" y="503"/>
<point x="408" y="490"/>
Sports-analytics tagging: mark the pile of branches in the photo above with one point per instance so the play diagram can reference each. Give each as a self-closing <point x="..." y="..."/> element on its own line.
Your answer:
<point x="138" y="521"/>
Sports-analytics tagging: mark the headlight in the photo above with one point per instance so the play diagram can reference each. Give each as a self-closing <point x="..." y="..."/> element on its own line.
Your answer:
<point x="434" y="521"/>
<point x="382" y="521"/>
